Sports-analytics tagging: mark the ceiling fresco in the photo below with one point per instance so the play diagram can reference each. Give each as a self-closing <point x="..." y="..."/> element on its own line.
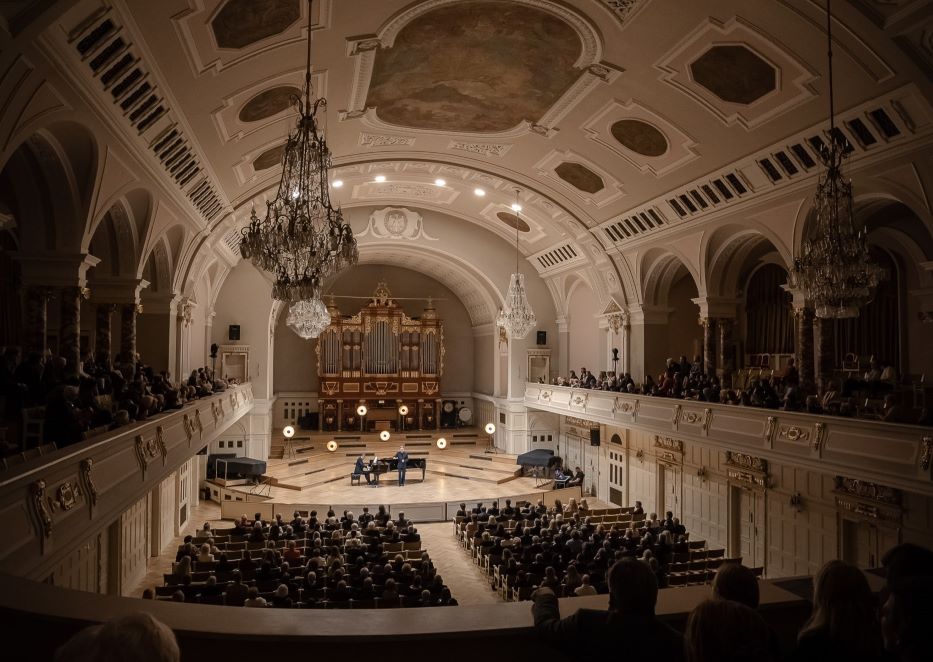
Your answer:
<point x="734" y="74"/>
<point x="640" y="137"/>
<point x="240" y="23"/>
<point x="268" y="103"/>
<point x="474" y="67"/>
<point x="269" y="159"/>
<point x="580" y="177"/>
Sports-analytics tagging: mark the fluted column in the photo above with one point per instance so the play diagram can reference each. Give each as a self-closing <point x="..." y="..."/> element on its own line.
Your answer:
<point x="825" y="344"/>
<point x="69" y="334"/>
<point x="726" y="351"/>
<point x="103" y="336"/>
<point x="128" y="332"/>
<point x="709" y="344"/>
<point x="803" y="349"/>
<point x="35" y="328"/>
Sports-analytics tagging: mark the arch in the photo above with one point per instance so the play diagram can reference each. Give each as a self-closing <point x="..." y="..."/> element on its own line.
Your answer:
<point x="659" y="269"/>
<point x="731" y="253"/>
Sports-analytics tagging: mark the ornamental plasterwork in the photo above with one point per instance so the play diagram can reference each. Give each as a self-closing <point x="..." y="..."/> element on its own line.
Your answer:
<point x="381" y="140"/>
<point x="926" y="453"/>
<point x="668" y="447"/>
<point x="87" y="480"/>
<point x="793" y="433"/>
<point x="624" y="9"/>
<point x="693" y="417"/>
<point x="769" y="431"/>
<point x="866" y="490"/>
<point x="747" y="469"/>
<point x="197" y="422"/>
<point x="581" y="423"/>
<point x="483" y="149"/>
<point x="396" y="223"/>
<point x="149" y="450"/>
<point x="869" y="500"/>
<point x="819" y="436"/>
<point x="44" y="506"/>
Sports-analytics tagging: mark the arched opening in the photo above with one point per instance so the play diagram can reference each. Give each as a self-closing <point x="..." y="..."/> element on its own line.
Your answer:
<point x="769" y="322"/>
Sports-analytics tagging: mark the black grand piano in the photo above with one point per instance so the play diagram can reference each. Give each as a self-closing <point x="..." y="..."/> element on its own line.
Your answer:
<point x="385" y="465"/>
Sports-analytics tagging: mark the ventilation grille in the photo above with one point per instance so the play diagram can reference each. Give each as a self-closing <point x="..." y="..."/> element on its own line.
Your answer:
<point x="232" y="241"/>
<point x="556" y="257"/>
<point x="109" y="56"/>
<point x="872" y="126"/>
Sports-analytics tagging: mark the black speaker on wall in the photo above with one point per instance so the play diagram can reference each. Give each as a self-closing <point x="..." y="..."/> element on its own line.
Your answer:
<point x="594" y="437"/>
<point x="542" y="337"/>
<point x="234" y="332"/>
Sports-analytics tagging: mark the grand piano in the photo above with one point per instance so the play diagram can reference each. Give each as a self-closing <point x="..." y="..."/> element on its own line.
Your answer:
<point x="385" y="465"/>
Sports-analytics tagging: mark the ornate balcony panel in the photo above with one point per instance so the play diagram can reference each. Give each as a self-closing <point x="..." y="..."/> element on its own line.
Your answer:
<point x="891" y="454"/>
<point x="54" y="501"/>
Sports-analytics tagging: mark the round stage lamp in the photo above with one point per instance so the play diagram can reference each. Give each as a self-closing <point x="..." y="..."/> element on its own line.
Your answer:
<point x="384" y="435"/>
<point x="288" y="431"/>
<point x="331" y="445"/>
<point x="441" y="443"/>
<point x="490" y="428"/>
<point x="361" y="410"/>
<point x="403" y="410"/>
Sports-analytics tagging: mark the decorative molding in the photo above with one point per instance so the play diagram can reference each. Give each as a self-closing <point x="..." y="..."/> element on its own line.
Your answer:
<point x="675" y="417"/>
<point x="383" y="140"/>
<point x="864" y="489"/>
<point x="670" y="450"/>
<point x="770" y="427"/>
<point x="926" y="453"/>
<point x="747" y="469"/>
<point x="793" y="433"/>
<point x="483" y="149"/>
<point x="819" y="436"/>
<point x="581" y="423"/>
<point x="40" y="509"/>
<point x="869" y="500"/>
<point x="396" y="223"/>
<point x="197" y="422"/>
<point x="624" y="9"/>
<point x="147" y="451"/>
<point x="87" y="480"/>
<point x="188" y="426"/>
<point x="66" y="496"/>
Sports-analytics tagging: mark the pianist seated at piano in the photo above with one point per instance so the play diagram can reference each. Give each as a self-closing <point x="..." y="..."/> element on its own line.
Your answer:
<point x="360" y="469"/>
<point x="560" y="478"/>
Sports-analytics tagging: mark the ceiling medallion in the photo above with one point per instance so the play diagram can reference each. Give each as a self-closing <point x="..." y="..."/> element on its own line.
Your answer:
<point x="302" y="239"/>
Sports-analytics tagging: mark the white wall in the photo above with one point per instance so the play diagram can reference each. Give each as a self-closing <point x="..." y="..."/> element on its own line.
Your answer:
<point x="587" y="343"/>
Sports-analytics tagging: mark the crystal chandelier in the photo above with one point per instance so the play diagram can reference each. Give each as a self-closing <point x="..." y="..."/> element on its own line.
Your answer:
<point x="517" y="318"/>
<point x="302" y="238"/>
<point x="835" y="269"/>
<point x="308" y="318"/>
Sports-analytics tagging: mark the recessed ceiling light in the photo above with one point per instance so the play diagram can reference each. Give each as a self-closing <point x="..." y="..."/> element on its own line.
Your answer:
<point x="516" y="206"/>
<point x="337" y="183"/>
<point x="380" y="178"/>
<point x="440" y="182"/>
<point x="479" y="192"/>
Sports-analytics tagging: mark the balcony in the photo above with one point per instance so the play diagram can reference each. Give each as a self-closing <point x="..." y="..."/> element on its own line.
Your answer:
<point x="887" y="453"/>
<point x="53" y="502"/>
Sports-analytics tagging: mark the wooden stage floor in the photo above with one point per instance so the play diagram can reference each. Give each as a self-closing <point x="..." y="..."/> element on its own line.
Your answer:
<point x="461" y="472"/>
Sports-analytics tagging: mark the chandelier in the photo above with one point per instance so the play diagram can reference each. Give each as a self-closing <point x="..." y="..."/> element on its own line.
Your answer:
<point x="835" y="269"/>
<point x="308" y="317"/>
<point x="302" y="239"/>
<point x="517" y="318"/>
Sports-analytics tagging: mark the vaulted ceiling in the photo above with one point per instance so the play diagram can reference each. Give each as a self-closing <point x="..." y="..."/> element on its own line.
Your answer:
<point x="615" y="118"/>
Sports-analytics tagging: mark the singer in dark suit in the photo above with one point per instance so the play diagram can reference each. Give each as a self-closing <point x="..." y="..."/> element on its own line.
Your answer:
<point x="402" y="458"/>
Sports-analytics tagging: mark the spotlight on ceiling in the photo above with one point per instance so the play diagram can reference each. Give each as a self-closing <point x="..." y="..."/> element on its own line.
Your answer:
<point x="361" y="410"/>
<point x="384" y="435"/>
<point x="440" y="182"/>
<point x="331" y="445"/>
<point x="479" y="192"/>
<point x="490" y="428"/>
<point x="380" y="178"/>
<point x="403" y="410"/>
<point x="441" y="443"/>
<point x="288" y="431"/>
<point x="337" y="183"/>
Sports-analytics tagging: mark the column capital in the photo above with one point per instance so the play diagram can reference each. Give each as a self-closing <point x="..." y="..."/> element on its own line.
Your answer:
<point x="59" y="270"/>
<point x="716" y="306"/>
<point x="798" y="297"/>
<point x="563" y="324"/>
<point x="161" y="303"/>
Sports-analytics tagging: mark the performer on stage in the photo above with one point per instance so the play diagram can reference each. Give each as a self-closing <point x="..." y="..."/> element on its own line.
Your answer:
<point x="360" y="470"/>
<point x="402" y="458"/>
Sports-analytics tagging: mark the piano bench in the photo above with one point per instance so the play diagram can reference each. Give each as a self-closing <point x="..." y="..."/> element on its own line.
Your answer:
<point x="355" y="479"/>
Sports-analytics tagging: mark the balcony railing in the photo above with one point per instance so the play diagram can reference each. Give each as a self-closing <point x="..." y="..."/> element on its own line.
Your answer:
<point x="53" y="502"/>
<point x="888" y="453"/>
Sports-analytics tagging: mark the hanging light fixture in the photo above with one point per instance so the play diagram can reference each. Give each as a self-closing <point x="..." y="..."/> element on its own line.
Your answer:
<point x="835" y="269"/>
<point x="517" y="318"/>
<point x="302" y="239"/>
<point x="308" y="318"/>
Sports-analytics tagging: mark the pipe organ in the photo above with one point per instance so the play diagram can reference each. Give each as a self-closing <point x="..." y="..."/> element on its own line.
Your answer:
<point x="382" y="359"/>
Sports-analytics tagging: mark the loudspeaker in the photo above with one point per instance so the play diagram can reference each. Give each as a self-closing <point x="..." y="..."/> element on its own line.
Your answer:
<point x="594" y="437"/>
<point x="542" y="337"/>
<point x="214" y="349"/>
<point x="234" y="332"/>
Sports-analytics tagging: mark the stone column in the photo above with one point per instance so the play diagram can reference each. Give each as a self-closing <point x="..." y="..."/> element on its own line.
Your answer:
<point x="69" y="335"/>
<point x="824" y="340"/>
<point x="103" y="338"/>
<point x="803" y="341"/>
<point x="128" y="332"/>
<point x="726" y="351"/>
<point x="36" y="321"/>
<point x="709" y="344"/>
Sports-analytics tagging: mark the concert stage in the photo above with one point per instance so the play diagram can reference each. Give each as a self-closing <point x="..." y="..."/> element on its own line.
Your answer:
<point x="308" y="473"/>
